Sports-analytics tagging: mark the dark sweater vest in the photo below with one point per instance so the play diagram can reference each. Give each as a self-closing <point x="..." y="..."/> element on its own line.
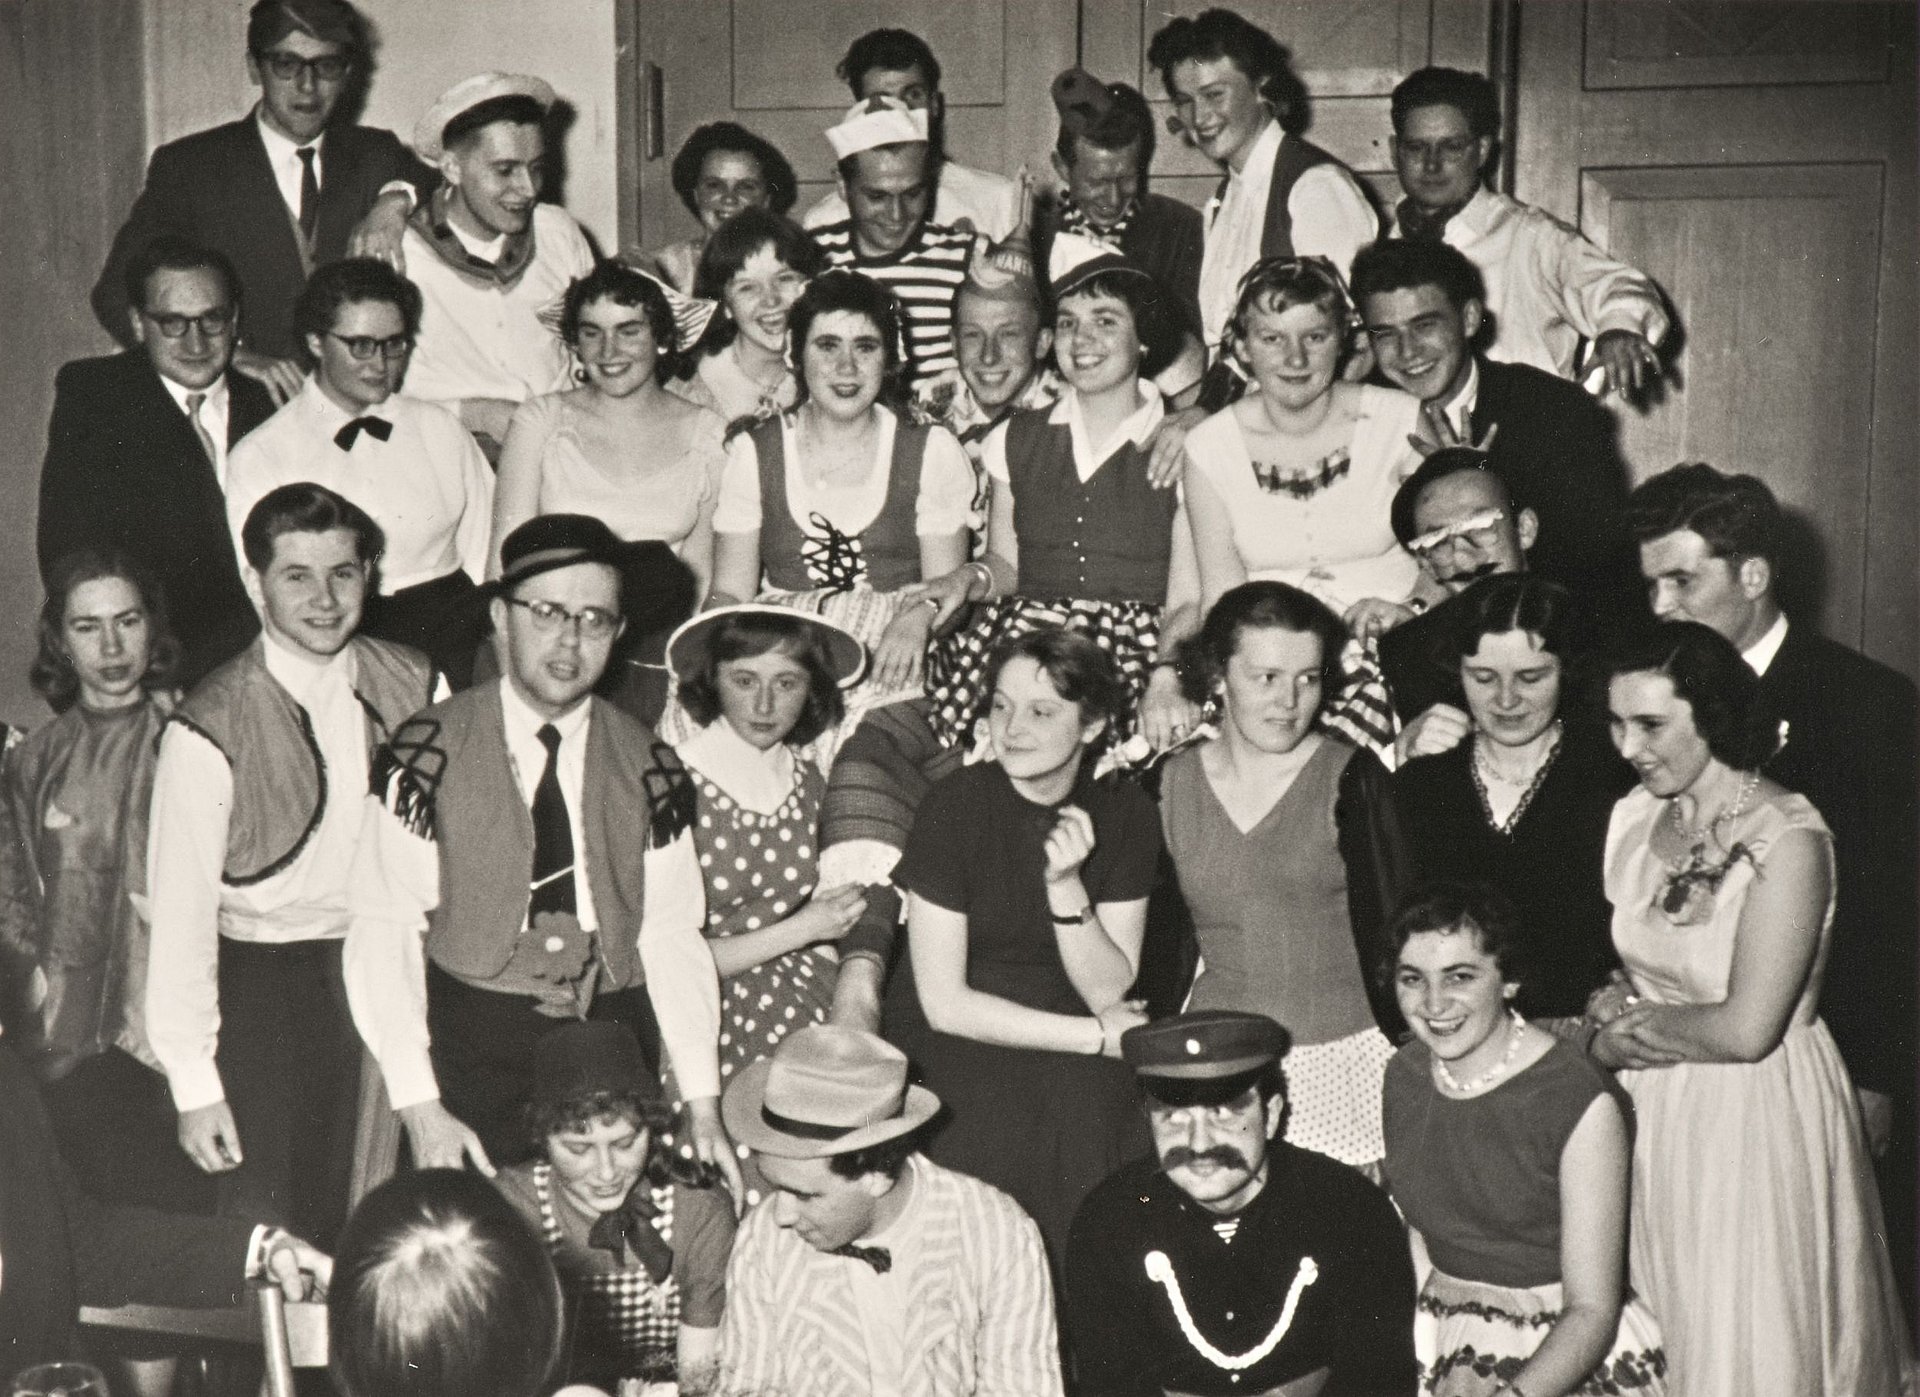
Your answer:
<point x="889" y="545"/>
<point x="1105" y="539"/>
<point x="279" y="776"/>
<point x="448" y="777"/>
<point x="1296" y="157"/>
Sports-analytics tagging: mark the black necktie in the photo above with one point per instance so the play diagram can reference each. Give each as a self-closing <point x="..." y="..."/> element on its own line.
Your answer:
<point x="1424" y="225"/>
<point x="376" y="427"/>
<point x="309" y="195"/>
<point x="877" y="1257"/>
<point x="552" y="887"/>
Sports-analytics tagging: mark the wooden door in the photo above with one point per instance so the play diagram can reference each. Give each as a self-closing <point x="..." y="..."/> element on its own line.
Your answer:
<point x="1758" y="160"/>
<point x="768" y="64"/>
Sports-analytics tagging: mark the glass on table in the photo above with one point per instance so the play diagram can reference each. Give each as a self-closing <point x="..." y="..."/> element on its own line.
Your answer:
<point x="59" y="1380"/>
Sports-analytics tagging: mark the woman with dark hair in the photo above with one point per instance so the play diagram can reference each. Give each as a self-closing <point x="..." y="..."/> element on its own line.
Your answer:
<point x="843" y="504"/>
<point x="441" y="1289"/>
<point x="1027" y="886"/>
<point x="1756" y="1228"/>
<point x="72" y="908"/>
<point x="640" y="1242"/>
<point x="755" y="266"/>
<point x="1290" y="857"/>
<point x="1077" y="535"/>
<point x="722" y="170"/>
<point x="1523" y="803"/>
<point x="1509" y="1155"/>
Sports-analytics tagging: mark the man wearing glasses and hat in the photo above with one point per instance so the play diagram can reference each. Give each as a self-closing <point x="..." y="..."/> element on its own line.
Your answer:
<point x="1235" y="1262"/>
<point x="528" y="860"/>
<point x="872" y="1270"/>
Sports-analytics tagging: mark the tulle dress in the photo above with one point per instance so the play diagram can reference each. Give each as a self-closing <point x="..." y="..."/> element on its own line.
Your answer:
<point x="1756" y="1230"/>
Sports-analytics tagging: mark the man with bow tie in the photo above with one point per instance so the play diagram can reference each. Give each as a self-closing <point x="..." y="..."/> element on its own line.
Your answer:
<point x="408" y="463"/>
<point x="870" y="1271"/>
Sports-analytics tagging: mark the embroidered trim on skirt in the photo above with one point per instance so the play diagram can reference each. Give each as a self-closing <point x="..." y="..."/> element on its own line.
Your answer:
<point x="1470" y="1337"/>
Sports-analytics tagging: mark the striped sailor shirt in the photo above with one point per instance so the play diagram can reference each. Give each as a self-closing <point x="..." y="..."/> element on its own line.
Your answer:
<point x="925" y="275"/>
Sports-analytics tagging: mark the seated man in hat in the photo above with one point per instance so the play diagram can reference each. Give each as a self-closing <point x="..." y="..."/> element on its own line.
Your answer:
<point x="854" y="1277"/>
<point x="528" y="860"/>
<point x="1235" y="1262"/>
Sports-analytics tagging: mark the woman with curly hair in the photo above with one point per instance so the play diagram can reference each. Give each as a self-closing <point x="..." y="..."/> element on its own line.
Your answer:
<point x="755" y="266"/>
<point x="720" y="170"/>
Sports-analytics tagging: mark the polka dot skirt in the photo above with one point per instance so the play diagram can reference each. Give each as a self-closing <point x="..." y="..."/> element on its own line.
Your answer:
<point x="1333" y="1096"/>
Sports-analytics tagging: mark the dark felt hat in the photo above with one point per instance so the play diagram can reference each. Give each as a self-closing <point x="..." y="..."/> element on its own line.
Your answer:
<point x="1208" y="1045"/>
<point x="656" y="588"/>
<point x="580" y="1059"/>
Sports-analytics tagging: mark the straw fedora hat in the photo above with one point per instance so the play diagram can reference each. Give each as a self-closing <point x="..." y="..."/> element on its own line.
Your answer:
<point x="826" y="1090"/>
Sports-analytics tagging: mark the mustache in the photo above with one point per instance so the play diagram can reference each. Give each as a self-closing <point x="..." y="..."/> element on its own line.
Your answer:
<point x="1486" y="569"/>
<point x="1226" y="1156"/>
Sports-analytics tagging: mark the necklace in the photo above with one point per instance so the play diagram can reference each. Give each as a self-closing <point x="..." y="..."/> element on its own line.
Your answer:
<point x="1700" y="833"/>
<point x="1515" y="1032"/>
<point x="1483" y="770"/>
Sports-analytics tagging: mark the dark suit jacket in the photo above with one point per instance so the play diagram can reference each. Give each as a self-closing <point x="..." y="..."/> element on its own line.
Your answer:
<point x="125" y="470"/>
<point x="216" y="188"/>
<point x="62" y="1249"/>
<point x="1850" y="750"/>
<point x="1164" y="240"/>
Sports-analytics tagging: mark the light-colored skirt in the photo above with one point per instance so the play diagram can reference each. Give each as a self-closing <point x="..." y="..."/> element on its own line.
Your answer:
<point x="1333" y="1096"/>
<point x="1471" y="1337"/>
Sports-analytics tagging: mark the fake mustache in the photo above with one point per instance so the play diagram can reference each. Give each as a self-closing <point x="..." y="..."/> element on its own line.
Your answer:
<point x="1486" y="569"/>
<point x="1226" y="1156"/>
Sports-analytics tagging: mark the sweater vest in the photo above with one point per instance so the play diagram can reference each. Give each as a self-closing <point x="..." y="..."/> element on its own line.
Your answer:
<point x="889" y="545"/>
<point x="279" y="775"/>
<point x="1296" y="157"/>
<point x="448" y="777"/>
<point x="1108" y="538"/>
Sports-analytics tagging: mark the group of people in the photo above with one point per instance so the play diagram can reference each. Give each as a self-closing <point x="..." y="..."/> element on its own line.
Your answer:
<point x="966" y="795"/>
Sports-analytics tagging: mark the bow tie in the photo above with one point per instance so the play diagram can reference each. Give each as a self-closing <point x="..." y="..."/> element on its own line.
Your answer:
<point x="877" y="1257"/>
<point x="376" y="427"/>
<point x="1420" y="225"/>
<point x="629" y="1225"/>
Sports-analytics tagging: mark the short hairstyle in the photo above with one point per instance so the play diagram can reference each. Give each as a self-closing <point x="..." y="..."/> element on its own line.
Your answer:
<point x="848" y="166"/>
<point x="1480" y="909"/>
<point x="617" y="282"/>
<point x="1281" y="283"/>
<point x="1125" y="119"/>
<point x="888" y="1157"/>
<point x="729" y="137"/>
<point x="354" y="281"/>
<point x="1204" y="655"/>
<point x="329" y="21"/>
<point x="306" y="508"/>
<point x="1470" y="94"/>
<point x="1078" y="667"/>
<point x="52" y="675"/>
<point x="1156" y="319"/>
<point x="171" y="253"/>
<point x="441" y="1287"/>
<point x="1405" y="264"/>
<point x="1737" y="515"/>
<point x="746" y="635"/>
<point x="1447" y="461"/>
<point x="841" y="290"/>
<point x="887" y="51"/>
<point x="1215" y="34"/>
<point x="581" y="1112"/>
<point x="516" y="108"/>
<point x="1707" y="671"/>
<point x="735" y="243"/>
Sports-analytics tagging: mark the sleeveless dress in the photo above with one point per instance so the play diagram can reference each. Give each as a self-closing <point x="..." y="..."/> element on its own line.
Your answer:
<point x="1479" y="1177"/>
<point x="1755" y="1226"/>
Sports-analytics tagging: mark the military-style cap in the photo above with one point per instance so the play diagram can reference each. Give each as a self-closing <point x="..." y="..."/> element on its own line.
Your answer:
<point x="1208" y="1045"/>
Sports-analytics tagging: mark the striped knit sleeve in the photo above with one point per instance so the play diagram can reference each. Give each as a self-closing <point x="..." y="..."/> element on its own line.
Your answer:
<point x="1017" y="1352"/>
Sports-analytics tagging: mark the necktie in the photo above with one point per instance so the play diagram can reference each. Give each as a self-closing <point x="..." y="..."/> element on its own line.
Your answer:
<point x="552" y="887"/>
<point x="376" y="427"/>
<point x="196" y="401"/>
<point x="877" y="1257"/>
<point x="309" y="195"/>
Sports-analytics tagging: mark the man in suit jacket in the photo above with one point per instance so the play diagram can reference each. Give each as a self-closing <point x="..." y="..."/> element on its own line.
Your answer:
<point x="277" y="191"/>
<point x="137" y="448"/>
<point x="1710" y="548"/>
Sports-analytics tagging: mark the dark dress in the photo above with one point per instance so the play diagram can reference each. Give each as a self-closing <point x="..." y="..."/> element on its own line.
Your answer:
<point x="1044" y="1126"/>
<point x="1551" y="865"/>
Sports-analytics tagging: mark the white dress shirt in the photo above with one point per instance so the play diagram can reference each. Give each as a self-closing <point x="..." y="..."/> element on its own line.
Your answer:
<point x="397" y="882"/>
<point x="187" y="852"/>
<point x="1459" y="408"/>
<point x="427" y="486"/>
<point x="283" y="158"/>
<point x="981" y="200"/>
<point x="213" y="416"/>
<point x="1087" y="458"/>
<point x="1760" y="655"/>
<point x="1547" y="286"/>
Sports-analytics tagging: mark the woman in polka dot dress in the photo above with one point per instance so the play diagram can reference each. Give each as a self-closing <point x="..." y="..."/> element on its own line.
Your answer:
<point x="764" y="681"/>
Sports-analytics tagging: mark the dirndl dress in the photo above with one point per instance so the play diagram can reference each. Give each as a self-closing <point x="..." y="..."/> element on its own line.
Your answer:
<point x="623" y="1321"/>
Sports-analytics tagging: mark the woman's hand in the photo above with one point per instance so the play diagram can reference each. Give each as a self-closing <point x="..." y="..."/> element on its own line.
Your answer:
<point x="831" y="914"/>
<point x="1069" y="844"/>
<point x="902" y="652"/>
<point x="1369" y="619"/>
<point x="1115" y="1020"/>
<point x="1167" y="447"/>
<point x="1612" y="999"/>
<point x="1631" y="1041"/>
<point x="1167" y="715"/>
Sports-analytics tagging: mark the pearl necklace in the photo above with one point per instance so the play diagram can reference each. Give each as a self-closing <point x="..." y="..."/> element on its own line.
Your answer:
<point x="1514" y="1034"/>
<point x="1732" y="812"/>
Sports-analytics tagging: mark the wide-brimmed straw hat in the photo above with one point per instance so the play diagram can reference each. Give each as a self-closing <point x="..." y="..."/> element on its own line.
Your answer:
<point x="826" y="1091"/>
<point x="688" y="647"/>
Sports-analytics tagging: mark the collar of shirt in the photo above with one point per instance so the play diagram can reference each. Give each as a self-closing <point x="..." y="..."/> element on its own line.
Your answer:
<point x="304" y="675"/>
<point x="1760" y="655"/>
<point x="756" y="780"/>
<point x="215" y="405"/>
<point x="1138" y="426"/>
<point x="1475" y="219"/>
<point x="328" y="416"/>
<point x="523" y="726"/>
<point x="1255" y="176"/>
<point x="486" y="249"/>
<point x="1459" y="408"/>
<point x="498" y="262"/>
<point x="283" y="158"/>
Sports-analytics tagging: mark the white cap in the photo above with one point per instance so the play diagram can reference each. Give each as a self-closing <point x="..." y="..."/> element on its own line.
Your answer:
<point x="467" y="94"/>
<point x="877" y="121"/>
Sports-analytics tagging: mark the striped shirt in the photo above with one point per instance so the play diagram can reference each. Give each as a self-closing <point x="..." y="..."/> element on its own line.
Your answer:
<point x="975" y="1314"/>
<point x="925" y="275"/>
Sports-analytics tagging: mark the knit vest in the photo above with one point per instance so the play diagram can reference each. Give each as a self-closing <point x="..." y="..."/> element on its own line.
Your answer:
<point x="889" y="545"/>
<point x="1296" y="157"/>
<point x="448" y="777"/>
<point x="1105" y="539"/>
<point x="279" y="775"/>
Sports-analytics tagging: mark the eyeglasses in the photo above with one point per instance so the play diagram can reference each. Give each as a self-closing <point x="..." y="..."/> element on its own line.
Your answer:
<point x="289" y="66"/>
<point x="550" y="618"/>
<point x="1482" y="530"/>
<point x="212" y="323"/>
<point x="364" y="347"/>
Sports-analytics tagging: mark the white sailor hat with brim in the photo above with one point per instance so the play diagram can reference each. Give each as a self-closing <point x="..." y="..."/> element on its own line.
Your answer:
<point x="876" y="121"/>
<point x="465" y="95"/>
